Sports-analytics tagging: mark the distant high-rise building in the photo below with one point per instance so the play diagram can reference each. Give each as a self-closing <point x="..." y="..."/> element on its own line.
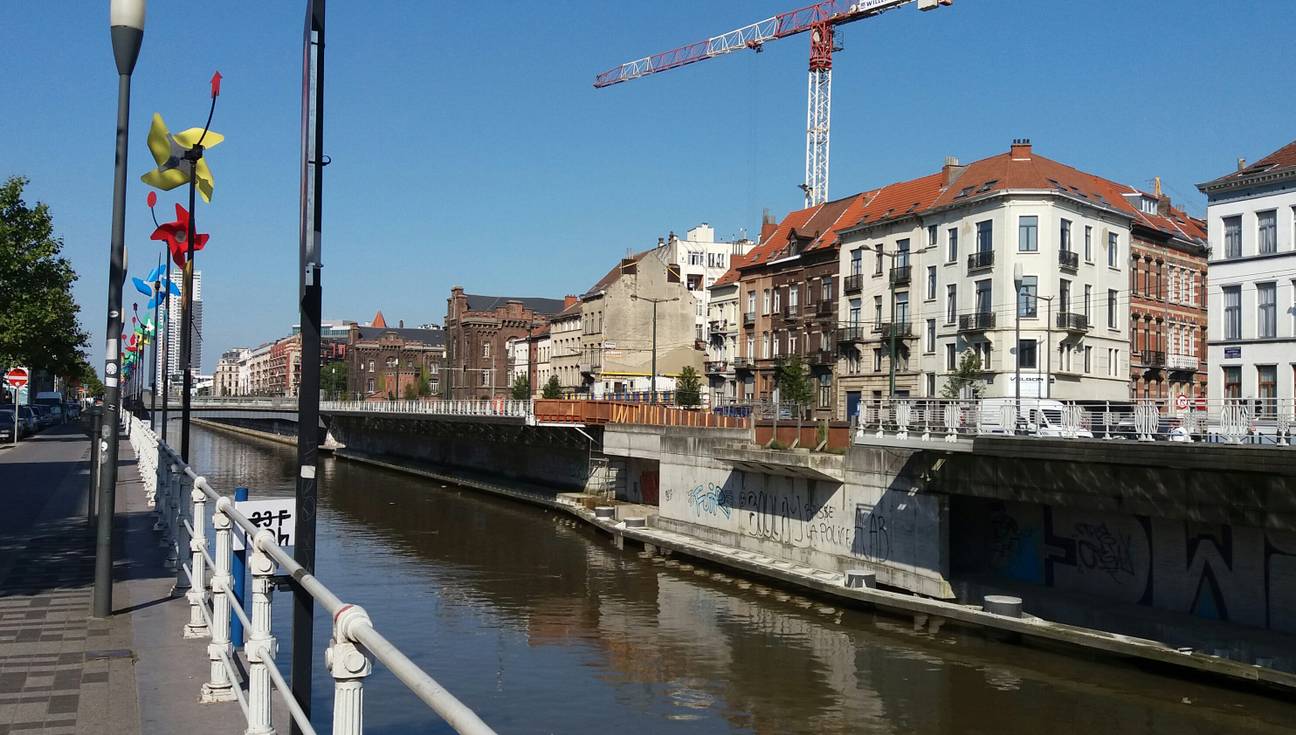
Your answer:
<point x="174" y="307"/>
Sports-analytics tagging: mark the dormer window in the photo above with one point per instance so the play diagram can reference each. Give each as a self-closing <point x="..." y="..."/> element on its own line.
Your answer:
<point x="1147" y="205"/>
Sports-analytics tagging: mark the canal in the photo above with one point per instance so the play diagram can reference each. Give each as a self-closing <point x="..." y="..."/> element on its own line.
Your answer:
<point x="542" y="627"/>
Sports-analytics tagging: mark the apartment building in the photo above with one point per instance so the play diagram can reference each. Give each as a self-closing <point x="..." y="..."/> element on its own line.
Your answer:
<point x="958" y="260"/>
<point x="391" y="362"/>
<point x="226" y="381"/>
<point x="565" y="333"/>
<point x="1168" y="317"/>
<point x="787" y="293"/>
<point x="722" y="338"/>
<point x="1252" y="279"/>
<point x="701" y="261"/>
<point x="478" y="329"/>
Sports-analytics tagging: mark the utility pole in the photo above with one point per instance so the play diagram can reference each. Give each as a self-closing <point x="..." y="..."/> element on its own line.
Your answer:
<point x="310" y="293"/>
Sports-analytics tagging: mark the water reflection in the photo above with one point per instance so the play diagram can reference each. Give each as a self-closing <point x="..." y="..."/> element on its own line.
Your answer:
<point x="546" y="628"/>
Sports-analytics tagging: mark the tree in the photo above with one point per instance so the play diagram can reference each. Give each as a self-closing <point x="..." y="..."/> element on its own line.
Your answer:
<point x="793" y="382"/>
<point x="87" y="378"/>
<point x="410" y="392"/>
<point x="424" y="384"/>
<point x="965" y="382"/>
<point x="333" y="379"/>
<point x="688" y="387"/>
<point x="38" y="316"/>
<point x="521" y="388"/>
<point x="552" y="389"/>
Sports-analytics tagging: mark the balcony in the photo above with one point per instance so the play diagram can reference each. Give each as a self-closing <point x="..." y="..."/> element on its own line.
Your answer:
<point x="743" y="363"/>
<point x="791" y="311"/>
<point x="826" y="308"/>
<point x="822" y="358"/>
<point x="1182" y="362"/>
<point x="720" y="326"/>
<point x="900" y="275"/>
<point x="1152" y="359"/>
<point x="1070" y="322"/>
<point x="980" y="261"/>
<point x="977" y="321"/>
<point x="749" y="318"/>
<point x="848" y="333"/>
<point x="900" y="331"/>
<point x="717" y="367"/>
<point x="589" y="368"/>
<point x="854" y="283"/>
<point x="1069" y="260"/>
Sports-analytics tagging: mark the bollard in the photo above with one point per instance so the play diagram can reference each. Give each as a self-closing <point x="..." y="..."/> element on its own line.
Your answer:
<point x="1005" y="605"/>
<point x="197" y="594"/>
<point x="604" y="511"/>
<point x="636" y="522"/>
<point x="239" y="574"/>
<point x="349" y="666"/>
<point x="219" y="688"/>
<point x="261" y="645"/>
<point x="859" y="579"/>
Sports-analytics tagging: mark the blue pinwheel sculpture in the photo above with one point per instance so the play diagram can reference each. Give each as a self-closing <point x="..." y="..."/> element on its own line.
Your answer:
<point x="156" y="287"/>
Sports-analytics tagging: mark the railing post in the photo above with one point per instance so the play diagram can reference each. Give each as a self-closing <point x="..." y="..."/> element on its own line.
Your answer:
<point x="178" y="536"/>
<point x="197" y="594"/>
<point x="349" y="666"/>
<point x="219" y="688"/>
<point x="261" y="646"/>
<point x="163" y="481"/>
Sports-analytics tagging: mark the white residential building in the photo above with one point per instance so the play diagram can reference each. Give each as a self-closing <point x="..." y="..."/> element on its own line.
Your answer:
<point x="930" y="268"/>
<point x="1251" y="279"/>
<point x="702" y="260"/>
<point x="722" y="338"/>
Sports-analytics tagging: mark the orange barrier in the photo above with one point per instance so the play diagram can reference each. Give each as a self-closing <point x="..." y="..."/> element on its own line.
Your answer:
<point x="558" y="410"/>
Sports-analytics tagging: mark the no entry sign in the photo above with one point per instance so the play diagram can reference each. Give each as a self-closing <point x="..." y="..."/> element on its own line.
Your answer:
<point x="16" y="377"/>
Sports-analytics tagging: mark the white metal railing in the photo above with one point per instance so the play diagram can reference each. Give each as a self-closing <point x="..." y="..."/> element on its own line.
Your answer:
<point x="1266" y="422"/>
<point x="181" y="498"/>
<point x="435" y="406"/>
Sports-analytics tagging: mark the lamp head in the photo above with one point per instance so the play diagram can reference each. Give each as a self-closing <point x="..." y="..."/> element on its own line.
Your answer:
<point x="126" y="23"/>
<point x="1017" y="274"/>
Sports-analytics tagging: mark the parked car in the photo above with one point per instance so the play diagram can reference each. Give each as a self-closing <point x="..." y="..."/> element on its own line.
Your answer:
<point x="72" y="410"/>
<point x="28" y="421"/>
<point x="1038" y="417"/>
<point x="6" y="426"/>
<point x="44" y="419"/>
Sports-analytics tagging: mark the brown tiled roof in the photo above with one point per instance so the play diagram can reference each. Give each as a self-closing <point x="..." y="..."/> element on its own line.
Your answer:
<point x="816" y="227"/>
<point x="732" y="275"/>
<point x="615" y="273"/>
<point x="1281" y="161"/>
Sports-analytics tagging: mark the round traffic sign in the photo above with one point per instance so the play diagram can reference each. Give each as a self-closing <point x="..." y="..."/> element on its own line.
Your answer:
<point x="1181" y="402"/>
<point x="16" y="377"/>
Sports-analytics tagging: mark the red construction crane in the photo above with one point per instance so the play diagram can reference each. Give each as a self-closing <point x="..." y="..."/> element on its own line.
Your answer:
<point x="819" y="19"/>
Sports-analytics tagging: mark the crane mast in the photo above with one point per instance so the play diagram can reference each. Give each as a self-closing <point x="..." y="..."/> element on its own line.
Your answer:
<point x="820" y="21"/>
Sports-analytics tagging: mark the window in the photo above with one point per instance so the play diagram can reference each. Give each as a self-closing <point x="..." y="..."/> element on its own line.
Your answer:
<point x="794" y="295"/>
<point x="485" y="349"/>
<point x="778" y="338"/>
<point x="1113" y="250"/>
<point x="392" y="362"/>
<point x="371" y="366"/>
<point x="877" y="360"/>
<point x="931" y="385"/>
<point x="485" y="378"/>
<point x="877" y="311"/>
<point x="765" y="302"/>
<point x="1111" y="309"/>
<point x="751" y="347"/>
<point x="1172" y="283"/>
<point x="1087" y="295"/>
<point x="1232" y="381"/>
<point x="901" y="315"/>
<point x="1232" y="312"/>
<point x="982" y="350"/>
<point x="902" y="253"/>
<point x="1027" y="304"/>
<point x="1064" y="235"/>
<point x="951" y="303"/>
<point x="1028" y="234"/>
<point x="1088" y="244"/>
<point x="854" y="312"/>
<point x="792" y="343"/>
<point x="1027" y="359"/>
<point x="765" y="345"/>
<point x="984" y="297"/>
<point x="857" y="261"/>
<point x="1064" y="295"/>
<point x="1088" y="359"/>
<point x="930" y="336"/>
<point x="1267" y="301"/>
<point x="950" y="358"/>
<point x="951" y="247"/>
<point x="932" y="236"/>
<point x="877" y="265"/>
<point x="825" y="390"/>
<point x="826" y="292"/>
<point x="778" y="299"/>
<point x="1267" y="232"/>
<point x="931" y="282"/>
<point x="1267" y="388"/>
<point x="985" y="236"/>
<point x="751" y="302"/>
<point x="1233" y="237"/>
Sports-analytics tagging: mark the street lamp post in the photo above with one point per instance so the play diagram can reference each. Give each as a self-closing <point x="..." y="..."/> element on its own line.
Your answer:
<point x="1017" y="285"/>
<point x="1048" y="345"/>
<point x="652" y="382"/>
<point x="126" y="25"/>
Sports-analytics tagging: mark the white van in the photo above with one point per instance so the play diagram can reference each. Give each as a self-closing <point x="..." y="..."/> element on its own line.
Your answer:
<point x="1039" y="417"/>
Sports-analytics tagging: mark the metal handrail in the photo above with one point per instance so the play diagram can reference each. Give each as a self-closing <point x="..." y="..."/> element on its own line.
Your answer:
<point x="355" y="641"/>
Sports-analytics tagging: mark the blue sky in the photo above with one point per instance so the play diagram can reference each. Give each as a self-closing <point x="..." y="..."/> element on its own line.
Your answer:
<point x="470" y="148"/>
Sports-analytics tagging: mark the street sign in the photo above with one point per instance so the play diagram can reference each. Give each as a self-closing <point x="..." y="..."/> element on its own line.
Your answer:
<point x="1181" y="402"/>
<point x="17" y="377"/>
<point x="276" y="514"/>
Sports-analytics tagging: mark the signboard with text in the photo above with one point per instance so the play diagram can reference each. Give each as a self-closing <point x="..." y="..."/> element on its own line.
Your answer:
<point x="275" y="514"/>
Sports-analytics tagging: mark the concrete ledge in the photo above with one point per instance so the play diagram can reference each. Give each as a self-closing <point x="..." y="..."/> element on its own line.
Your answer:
<point x="263" y="435"/>
<point x="812" y="465"/>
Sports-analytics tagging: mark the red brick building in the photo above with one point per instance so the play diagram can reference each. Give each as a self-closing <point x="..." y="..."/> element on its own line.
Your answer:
<point x="1167" y="301"/>
<point x="389" y="362"/>
<point x="477" y="333"/>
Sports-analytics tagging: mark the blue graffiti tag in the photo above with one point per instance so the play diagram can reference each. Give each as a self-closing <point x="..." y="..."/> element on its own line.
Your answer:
<point x="711" y="499"/>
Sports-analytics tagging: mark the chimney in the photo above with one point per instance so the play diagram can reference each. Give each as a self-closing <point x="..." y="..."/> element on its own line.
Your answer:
<point x="1021" y="149"/>
<point x="1241" y="163"/>
<point x="768" y="225"/>
<point x="569" y="301"/>
<point x="951" y="170"/>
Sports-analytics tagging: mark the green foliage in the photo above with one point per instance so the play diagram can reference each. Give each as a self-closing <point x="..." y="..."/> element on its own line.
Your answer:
<point x="966" y="379"/>
<point x="552" y="389"/>
<point x="333" y="380"/>
<point x="87" y="377"/>
<point x="793" y="382"/>
<point x="521" y="388"/>
<point x="38" y="316"/>
<point x="424" y="384"/>
<point x="410" y="392"/>
<point x="688" y="387"/>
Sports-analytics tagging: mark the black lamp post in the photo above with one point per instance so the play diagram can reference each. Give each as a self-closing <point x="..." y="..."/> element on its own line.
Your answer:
<point x="126" y="24"/>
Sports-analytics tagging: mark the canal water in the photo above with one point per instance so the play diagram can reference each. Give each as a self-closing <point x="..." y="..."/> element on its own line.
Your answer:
<point x="545" y="628"/>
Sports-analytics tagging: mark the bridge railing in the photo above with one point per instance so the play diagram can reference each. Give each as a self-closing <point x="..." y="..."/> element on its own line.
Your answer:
<point x="592" y="411"/>
<point x="184" y="503"/>
<point x="1267" y="421"/>
<point x="499" y="408"/>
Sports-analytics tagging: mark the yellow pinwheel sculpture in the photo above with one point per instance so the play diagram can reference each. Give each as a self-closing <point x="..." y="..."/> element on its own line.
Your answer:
<point x="173" y="169"/>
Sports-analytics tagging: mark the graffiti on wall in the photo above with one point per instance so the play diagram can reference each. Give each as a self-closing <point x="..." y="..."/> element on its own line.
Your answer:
<point x="1239" y="574"/>
<point x="709" y="498"/>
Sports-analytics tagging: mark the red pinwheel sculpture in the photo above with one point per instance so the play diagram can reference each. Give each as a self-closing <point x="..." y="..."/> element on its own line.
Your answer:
<point x="174" y="234"/>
